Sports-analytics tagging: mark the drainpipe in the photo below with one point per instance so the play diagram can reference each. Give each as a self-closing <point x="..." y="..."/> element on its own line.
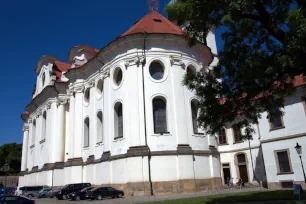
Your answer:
<point x="144" y="111"/>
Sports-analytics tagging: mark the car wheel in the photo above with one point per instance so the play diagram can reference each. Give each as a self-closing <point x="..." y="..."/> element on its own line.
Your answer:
<point x="120" y="195"/>
<point x="65" y="197"/>
<point x="78" y="198"/>
<point x="30" y="196"/>
<point x="99" y="197"/>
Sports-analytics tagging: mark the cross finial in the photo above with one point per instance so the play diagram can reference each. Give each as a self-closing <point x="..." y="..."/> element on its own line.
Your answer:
<point x="153" y="5"/>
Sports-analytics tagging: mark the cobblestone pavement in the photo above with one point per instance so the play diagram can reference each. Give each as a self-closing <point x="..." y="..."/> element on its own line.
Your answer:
<point x="143" y="199"/>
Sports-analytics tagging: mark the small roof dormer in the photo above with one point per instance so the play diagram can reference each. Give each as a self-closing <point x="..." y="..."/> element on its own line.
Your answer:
<point x="80" y="55"/>
<point x="49" y="70"/>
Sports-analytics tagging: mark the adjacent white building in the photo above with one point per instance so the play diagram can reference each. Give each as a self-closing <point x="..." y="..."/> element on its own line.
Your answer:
<point x="120" y="116"/>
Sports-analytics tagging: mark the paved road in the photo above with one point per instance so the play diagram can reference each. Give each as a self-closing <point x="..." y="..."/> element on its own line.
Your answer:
<point x="142" y="199"/>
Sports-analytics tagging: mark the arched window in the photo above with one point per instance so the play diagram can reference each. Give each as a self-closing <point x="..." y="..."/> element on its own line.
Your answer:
<point x="99" y="88"/>
<point x="44" y="126"/>
<point x="87" y="95"/>
<point x="99" y="127"/>
<point x="195" y="115"/>
<point x="118" y="121"/>
<point x="160" y="115"/>
<point x="86" y="132"/>
<point x="237" y="134"/>
<point x="222" y="136"/>
<point x="43" y="79"/>
<point x="191" y="70"/>
<point x="33" y="132"/>
<point x="156" y="70"/>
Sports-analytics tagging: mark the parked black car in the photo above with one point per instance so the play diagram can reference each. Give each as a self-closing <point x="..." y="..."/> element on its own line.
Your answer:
<point x="70" y="188"/>
<point x="15" y="200"/>
<point x="53" y="192"/>
<point x="80" y="195"/>
<point x="101" y="192"/>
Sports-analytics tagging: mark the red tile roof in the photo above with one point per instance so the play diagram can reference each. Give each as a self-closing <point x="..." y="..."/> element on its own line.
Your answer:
<point x="154" y="22"/>
<point x="297" y="82"/>
<point x="62" y="67"/>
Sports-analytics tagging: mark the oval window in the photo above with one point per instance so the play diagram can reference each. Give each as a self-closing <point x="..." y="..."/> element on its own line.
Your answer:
<point x="118" y="76"/>
<point x="156" y="70"/>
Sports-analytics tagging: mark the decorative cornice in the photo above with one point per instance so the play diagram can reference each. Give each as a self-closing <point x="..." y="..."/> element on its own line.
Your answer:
<point x="175" y="60"/>
<point x="25" y="128"/>
<point x="106" y="73"/>
<point x="30" y="120"/>
<point x="91" y="83"/>
<point x="39" y="113"/>
<point x="61" y="101"/>
<point x="70" y="92"/>
<point x="48" y="106"/>
<point x="136" y="60"/>
<point x="79" y="89"/>
<point x="138" y="151"/>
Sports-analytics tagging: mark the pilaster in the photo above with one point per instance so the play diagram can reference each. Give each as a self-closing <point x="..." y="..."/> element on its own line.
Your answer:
<point x="25" y="130"/>
<point x="179" y="106"/>
<point x="78" y="119"/>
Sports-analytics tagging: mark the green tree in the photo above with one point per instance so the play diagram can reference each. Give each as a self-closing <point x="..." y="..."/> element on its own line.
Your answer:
<point x="264" y="50"/>
<point x="11" y="153"/>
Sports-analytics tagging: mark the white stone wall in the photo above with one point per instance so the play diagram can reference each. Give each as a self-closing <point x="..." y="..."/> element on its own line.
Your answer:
<point x="266" y="141"/>
<point x="66" y="115"/>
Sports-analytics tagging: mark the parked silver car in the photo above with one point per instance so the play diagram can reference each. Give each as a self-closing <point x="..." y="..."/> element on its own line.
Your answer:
<point x="31" y="191"/>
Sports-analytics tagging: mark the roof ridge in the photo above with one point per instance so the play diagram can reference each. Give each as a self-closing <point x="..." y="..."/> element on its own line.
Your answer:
<point x="147" y="25"/>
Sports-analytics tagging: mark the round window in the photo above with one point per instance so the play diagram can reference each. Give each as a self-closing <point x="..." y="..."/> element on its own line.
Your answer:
<point x="157" y="70"/>
<point x="87" y="95"/>
<point x="99" y="87"/>
<point x="118" y="76"/>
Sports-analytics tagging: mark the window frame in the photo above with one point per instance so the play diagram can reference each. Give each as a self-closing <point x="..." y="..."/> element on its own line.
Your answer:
<point x="192" y="102"/>
<point x="225" y="135"/>
<point x="88" y="132"/>
<point x="99" y="141"/>
<point x="304" y="103"/>
<point x="277" y="162"/>
<point x="99" y="92"/>
<point x="115" y="72"/>
<point x="43" y="127"/>
<point x="43" y="79"/>
<point x="282" y="121"/>
<point x="163" y="98"/>
<point x="163" y="64"/>
<point x="234" y="135"/>
<point x="87" y="99"/>
<point x="33" y="135"/>
<point x="116" y="133"/>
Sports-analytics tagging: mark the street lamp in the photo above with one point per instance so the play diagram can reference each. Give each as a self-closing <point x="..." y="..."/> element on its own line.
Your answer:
<point x="298" y="149"/>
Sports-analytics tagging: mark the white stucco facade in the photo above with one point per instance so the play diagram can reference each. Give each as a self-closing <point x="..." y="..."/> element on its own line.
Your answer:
<point x="57" y="152"/>
<point x="72" y="133"/>
<point x="266" y="142"/>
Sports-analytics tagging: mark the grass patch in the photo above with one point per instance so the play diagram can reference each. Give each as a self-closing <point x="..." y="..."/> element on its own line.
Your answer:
<point x="238" y="197"/>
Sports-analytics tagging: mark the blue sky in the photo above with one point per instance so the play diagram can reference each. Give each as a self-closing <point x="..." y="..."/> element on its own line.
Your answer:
<point x="32" y="28"/>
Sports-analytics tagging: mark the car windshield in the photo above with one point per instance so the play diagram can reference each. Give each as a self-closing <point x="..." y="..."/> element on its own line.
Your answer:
<point x="66" y="186"/>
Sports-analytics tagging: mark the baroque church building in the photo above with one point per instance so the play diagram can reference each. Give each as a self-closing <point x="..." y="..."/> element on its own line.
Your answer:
<point x="120" y="116"/>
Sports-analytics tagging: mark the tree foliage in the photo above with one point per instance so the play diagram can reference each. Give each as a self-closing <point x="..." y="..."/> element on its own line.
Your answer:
<point x="12" y="154"/>
<point x="264" y="50"/>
